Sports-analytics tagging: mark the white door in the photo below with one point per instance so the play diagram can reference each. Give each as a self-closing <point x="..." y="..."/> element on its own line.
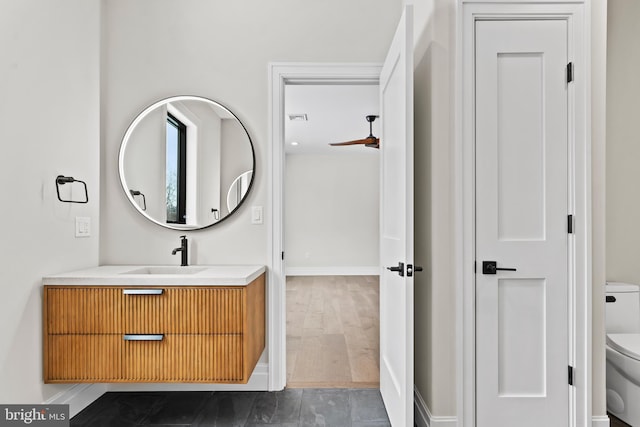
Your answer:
<point x="396" y="226"/>
<point x="522" y="207"/>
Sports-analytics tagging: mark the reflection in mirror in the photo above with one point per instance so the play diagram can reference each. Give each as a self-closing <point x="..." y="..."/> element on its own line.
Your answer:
<point x="238" y="189"/>
<point x="179" y="157"/>
<point x="175" y="170"/>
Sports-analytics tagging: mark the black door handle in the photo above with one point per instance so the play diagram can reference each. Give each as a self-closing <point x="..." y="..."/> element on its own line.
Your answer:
<point x="491" y="267"/>
<point x="412" y="268"/>
<point x="399" y="268"/>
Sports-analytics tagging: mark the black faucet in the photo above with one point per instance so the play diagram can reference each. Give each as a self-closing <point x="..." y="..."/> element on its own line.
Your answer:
<point x="184" y="252"/>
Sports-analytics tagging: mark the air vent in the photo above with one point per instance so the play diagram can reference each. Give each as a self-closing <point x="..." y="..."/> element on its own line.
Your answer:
<point x="298" y="117"/>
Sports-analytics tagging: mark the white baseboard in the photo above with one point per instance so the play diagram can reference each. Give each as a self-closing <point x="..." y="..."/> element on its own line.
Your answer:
<point x="421" y="413"/>
<point x="259" y="381"/>
<point x="423" y="417"/>
<point x="333" y="271"/>
<point x="600" y="421"/>
<point x="78" y="396"/>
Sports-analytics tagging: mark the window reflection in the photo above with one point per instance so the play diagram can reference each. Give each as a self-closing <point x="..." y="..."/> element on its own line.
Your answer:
<point x="175" y="170"/>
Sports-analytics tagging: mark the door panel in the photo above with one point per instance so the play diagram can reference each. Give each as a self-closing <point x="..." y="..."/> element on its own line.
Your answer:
<point x="396" y="225"/>
<point x="521" y="373"/>
<point x="520" y="146"/>
<point x="522" y="199"/>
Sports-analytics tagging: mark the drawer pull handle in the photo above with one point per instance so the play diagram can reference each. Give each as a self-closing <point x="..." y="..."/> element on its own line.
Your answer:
<point x="142" y="337"/>
<point x="143" y="291"/>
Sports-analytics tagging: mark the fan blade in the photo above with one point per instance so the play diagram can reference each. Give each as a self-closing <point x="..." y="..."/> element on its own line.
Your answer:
<point x="368" y="142"/>
<point x="354" y="142"/>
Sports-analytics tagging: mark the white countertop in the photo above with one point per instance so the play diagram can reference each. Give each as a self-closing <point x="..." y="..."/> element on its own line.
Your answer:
<point x="169" y="275"/>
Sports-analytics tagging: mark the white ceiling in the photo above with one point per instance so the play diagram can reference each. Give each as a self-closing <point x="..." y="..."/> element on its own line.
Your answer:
<point x="335" y="113"/>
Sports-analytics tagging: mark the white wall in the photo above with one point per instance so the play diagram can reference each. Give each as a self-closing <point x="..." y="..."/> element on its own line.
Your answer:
<point x="49" y="115"/>
<point x="623" y="142"/>
<point x="435" y="320"/>
<point x="144" y="166"/>
<point x="204" y="145"/>
<point x="236" y="158"/>
<point x="220" y="51"/>
<point x="332" y="212"/>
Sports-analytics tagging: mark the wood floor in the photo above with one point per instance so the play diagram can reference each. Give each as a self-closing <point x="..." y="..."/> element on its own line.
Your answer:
<point x="333" y="331"/>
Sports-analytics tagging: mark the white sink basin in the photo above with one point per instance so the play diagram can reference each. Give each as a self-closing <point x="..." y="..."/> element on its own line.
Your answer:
<point x="162" y="269"/>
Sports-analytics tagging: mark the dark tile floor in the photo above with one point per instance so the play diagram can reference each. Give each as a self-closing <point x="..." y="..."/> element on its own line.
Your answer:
<point x="615" y="422"/>
<point x="288" y="408"/>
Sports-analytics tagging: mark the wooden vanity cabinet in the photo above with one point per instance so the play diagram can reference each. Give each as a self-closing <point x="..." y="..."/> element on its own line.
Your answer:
<point x="199" y="334"/>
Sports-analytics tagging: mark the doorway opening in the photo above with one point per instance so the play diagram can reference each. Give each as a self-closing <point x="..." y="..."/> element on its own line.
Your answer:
<point x="331" y="235"/>
<point x="395" y="82"/>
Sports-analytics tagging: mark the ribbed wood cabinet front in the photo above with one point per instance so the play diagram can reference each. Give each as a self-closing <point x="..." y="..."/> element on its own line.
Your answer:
<point x="153" y="334"/>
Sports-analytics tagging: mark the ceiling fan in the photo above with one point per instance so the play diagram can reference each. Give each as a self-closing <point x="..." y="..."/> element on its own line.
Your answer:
<point x="370" y="141"/>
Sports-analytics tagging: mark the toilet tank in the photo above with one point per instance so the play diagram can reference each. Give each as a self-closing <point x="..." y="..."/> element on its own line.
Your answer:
<point x="622" y="311"/>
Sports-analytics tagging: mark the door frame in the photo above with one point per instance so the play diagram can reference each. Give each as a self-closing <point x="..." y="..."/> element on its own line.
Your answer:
<point x="281" y="74"/>
<point x="577" y="14"/>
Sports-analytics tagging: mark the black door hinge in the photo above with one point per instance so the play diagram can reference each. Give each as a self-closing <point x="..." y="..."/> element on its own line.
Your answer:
<point x="570" y="224"/>
<point x="282" y="255"/>
<point x="569" y="72"/>
<point x="570" y="375"/>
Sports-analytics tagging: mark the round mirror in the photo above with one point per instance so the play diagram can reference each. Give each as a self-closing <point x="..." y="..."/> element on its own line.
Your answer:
<point x="181" y="157"/>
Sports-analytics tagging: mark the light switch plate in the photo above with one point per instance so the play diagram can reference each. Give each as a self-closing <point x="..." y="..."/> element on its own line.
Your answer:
<point x="83" y="226"/>
<point x="256" y="215"/>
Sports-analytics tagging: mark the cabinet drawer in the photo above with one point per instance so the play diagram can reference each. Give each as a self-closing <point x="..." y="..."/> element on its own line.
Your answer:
<point x="181" y="310"/>
<point x="184" y="358"/>
<point x="83" y="310"/>
<point x="82" y="358"/>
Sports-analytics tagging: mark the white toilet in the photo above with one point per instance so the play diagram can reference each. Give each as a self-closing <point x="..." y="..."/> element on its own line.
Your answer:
<point x="623" y="351"/>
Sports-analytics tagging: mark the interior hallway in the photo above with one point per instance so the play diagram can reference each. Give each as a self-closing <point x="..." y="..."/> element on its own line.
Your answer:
<point x="333" y="331"/>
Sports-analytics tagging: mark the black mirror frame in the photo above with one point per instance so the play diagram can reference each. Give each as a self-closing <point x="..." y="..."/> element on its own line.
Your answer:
<point x="122" y="150"/>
